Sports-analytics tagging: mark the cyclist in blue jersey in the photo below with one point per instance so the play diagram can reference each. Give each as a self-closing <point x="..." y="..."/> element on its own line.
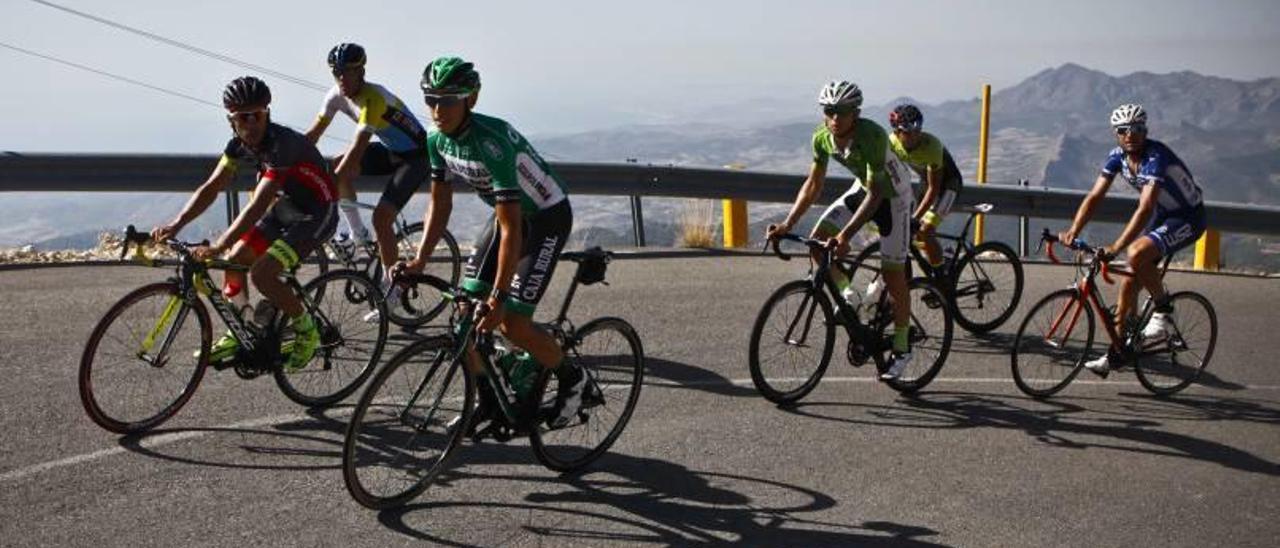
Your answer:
<point x="515" y="255"/>
<point x="1170" y="216"/>
<point x="399" y="153"/>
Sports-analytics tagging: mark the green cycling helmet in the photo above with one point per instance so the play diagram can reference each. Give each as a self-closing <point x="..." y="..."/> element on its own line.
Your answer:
<point x="450" y="76"/>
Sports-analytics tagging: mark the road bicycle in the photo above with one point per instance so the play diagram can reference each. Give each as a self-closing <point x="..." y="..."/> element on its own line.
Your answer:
<point x="1053" y="343"/>
<point x="418" y="408"/>
<point x="982" y="283"/>
<point x="148" y="353"/>
<point x="795" y="332"/>
<point x="418" y="305"/>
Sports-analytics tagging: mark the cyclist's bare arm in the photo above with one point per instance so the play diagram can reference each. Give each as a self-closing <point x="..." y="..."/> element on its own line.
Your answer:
<point x="1085" y="212"/>
<point x="1139" y="220"/>
<point x="263" y="196"/>
<point x="349" y="167"/>
<point x="933" y="189"/>
<point x="809" y="192"/>
<point x="435" y="221"/>
<point x="317" y="129"/>
<point x="199" y="201"/>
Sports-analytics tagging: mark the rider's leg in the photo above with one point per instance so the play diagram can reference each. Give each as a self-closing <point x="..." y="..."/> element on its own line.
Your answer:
<point x="235" y="283"/>
<point x="521" y="331"/>
<point x="932" y="250"/>
<point x="1142" y="257"/>
<point x="384" y="217"/>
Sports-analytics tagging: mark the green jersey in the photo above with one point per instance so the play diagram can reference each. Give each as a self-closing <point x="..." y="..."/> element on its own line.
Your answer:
<point x="929" y="154"/>
<point x="497" y="162"/>
<point x="865" y="157"/>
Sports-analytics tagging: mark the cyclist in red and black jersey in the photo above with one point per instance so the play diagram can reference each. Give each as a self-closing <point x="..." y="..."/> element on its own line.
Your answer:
<point x="293" y="210"/>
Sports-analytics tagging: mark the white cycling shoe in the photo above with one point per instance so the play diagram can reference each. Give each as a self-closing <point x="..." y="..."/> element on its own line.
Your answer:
<point x="1159" y="327"/>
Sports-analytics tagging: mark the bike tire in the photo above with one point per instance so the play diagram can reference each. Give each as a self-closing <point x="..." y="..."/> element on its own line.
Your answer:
<point x="1042" y="368"/>
<point x="97" y="391"/>
<point x="1162" y="373"/>
<point x="423" y="304"/>
<point x="965" y="306"/>
<point x="372" y="445"/>
<point x="350" y="346"/>
<point x="768" y="386"/>
<point x="610" y="353"/>
<point x="931" y="332"/>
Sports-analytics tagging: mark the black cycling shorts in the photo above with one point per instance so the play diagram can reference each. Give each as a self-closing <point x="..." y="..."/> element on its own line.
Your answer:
<point x="408" y="170"/>
<point x="544" y="234"/>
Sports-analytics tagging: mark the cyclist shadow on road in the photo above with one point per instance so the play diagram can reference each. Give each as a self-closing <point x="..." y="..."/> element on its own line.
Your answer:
<point x="693" y="377"/>
<point x="1065" y="424"/>
<point x="623" y="498"/>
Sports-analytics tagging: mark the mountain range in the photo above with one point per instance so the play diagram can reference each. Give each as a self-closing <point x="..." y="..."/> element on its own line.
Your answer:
<point x="1051" y="129"/>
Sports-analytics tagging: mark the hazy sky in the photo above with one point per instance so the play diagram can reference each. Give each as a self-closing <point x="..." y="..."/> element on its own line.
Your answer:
<point x="560" y="66"/>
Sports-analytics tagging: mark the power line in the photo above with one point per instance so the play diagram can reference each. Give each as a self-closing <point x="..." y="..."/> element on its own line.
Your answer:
<point x="132" y="81"/>
<point x="183" y="45"/>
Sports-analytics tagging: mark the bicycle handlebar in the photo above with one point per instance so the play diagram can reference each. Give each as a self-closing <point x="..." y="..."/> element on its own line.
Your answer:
<point x="812" y="243"/>
<point x="138" y="239"/>
<point x="1099" y="254"/>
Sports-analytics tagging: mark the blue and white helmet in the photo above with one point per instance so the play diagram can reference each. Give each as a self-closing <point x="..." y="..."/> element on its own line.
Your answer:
<point x="839" y="93"/>
<point x="1128" y="114"/>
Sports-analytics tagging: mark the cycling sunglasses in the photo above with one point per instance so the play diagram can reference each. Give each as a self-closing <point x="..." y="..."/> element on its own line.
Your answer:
<point x="834" y="110"/>
<point x="1131" y="128"/>
<point x="443" y="100"/>
<point x="246" y="116"/>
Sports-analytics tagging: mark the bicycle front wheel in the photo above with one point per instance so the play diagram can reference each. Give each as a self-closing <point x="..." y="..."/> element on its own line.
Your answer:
<point x="1168" y="365"/>
<point x="144" y="359"/>
<point x="423" y="303"/>
<point x="406" y="425"/>
<point x="791" y="342"/>
<point x="1052" y="343"/>
<point x="610" y="354"/>
<point x="987" y="287"/>
<point x="929" y="335"/>
<point x="353" y="332"/>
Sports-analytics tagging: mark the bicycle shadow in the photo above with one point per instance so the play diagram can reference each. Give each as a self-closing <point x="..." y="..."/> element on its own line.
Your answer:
<point x="692" y="377"/>
<point x="638" y="499"/>
<point x="317" y="435"/>
<point x="1067" y="425"/>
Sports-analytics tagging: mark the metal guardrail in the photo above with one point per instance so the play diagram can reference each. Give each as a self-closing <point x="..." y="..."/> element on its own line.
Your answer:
<point x="182" y="173"/>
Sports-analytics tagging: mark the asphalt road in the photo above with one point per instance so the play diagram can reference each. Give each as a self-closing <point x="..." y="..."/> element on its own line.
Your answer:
<point x="704" y="461"/>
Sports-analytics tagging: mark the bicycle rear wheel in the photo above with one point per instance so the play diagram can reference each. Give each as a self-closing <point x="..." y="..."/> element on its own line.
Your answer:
<point x="423" y="303"/>
<point x="610" y="354"/>
<point x="406" y="425"/>
<point x="350" y="345"/>
<point x="1052" y="343"/>
<point x="930" y="335"/>
<point x="1168" y="365"/>
<point x="791" y="342"/>
<point x="987" y="287"/>
<point x="144" y="359"/>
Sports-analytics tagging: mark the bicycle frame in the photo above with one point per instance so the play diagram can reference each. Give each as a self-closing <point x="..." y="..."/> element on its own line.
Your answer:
<point x="1089" y="300"/>
<point x="821" y="280"/>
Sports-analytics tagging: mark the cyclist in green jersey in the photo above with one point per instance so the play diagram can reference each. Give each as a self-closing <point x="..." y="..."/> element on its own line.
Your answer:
<point x="516" y="253"/>
<point x="883" y="196"/>
<point x="924" y="154"/>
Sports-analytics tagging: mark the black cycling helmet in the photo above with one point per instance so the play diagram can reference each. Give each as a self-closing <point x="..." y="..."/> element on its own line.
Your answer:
<point x="450" y="76"/>
<point x="346" y="55"/>
<point x="906" y="117"/>
<point x="246" y="91"/>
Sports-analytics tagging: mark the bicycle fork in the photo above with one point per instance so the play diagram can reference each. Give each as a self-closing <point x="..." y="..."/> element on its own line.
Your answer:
<point x="168" y="324"/>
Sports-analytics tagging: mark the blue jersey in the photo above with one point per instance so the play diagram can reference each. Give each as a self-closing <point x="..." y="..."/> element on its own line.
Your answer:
<point x="1179" y="194"/>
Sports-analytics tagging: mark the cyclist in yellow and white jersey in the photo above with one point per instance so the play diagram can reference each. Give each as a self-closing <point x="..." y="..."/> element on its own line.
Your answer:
<point x="924" y="154"/>
<point x="399" y="153"/>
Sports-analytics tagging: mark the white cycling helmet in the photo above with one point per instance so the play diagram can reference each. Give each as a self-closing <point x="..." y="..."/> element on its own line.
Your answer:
<point x="1128" y="114"/>
<point x="838" y="93"/>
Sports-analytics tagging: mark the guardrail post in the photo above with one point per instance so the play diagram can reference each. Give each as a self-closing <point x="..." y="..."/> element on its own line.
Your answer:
<point x="979" y="224"/>
<point x="1024" y="227"/>
<point x="233" y="206"/>
<point x="1208" y="251"/>
<point x="735" y="222"/>
<point x="637" y="221"/>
